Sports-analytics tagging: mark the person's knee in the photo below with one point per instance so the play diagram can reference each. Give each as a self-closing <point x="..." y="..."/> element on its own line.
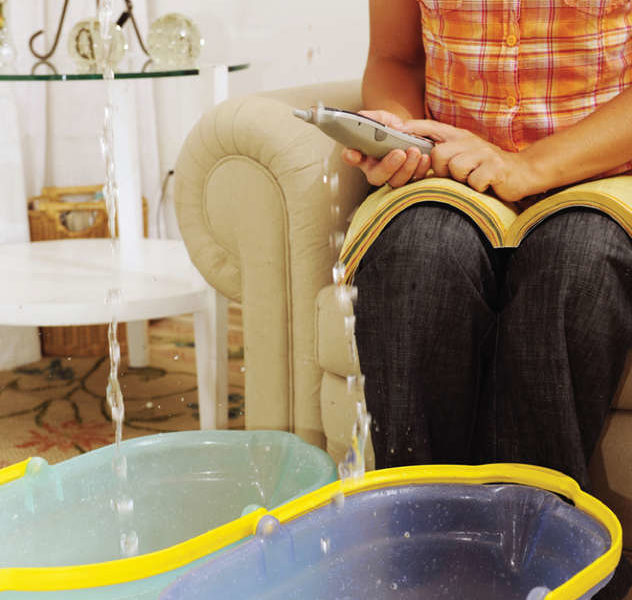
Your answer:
<point x="574" y="250"/>
<point x="430" y="239"/>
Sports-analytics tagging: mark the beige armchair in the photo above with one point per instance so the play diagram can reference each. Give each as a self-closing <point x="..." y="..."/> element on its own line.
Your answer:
<point x="256" y="217"/>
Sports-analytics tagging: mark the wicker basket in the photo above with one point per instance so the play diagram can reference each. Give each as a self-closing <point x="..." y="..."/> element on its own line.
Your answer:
<point x="49" y="214"/>
<point x="52" y="216"/>
<point x="79" y="340"/>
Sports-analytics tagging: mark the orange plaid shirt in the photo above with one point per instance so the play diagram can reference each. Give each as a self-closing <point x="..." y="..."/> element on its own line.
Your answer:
<point x="514" y="72"/>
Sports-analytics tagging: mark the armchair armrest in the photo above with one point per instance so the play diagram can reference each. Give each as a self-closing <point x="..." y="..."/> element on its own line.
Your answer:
<point x="256" y="217"/>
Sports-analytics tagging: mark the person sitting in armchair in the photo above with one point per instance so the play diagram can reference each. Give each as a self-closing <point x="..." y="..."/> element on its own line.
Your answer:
<point x="479" y="355"/>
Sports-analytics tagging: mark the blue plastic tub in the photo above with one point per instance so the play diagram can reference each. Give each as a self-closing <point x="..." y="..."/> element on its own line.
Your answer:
<point x="60" y="535"/>
<point x="425" y="532"/>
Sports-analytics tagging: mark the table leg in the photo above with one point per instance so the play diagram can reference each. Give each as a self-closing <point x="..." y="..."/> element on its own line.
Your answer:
<point x="127" y="170"/>
<point x="130" y="213"/>
<point x="137" y="343"/>
<point x="20" y="345"/>
<point x="211" y="358"/>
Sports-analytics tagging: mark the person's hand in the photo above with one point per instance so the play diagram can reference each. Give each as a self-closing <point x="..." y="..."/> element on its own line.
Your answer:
<point x="470" y="159"/>
<point x="397" y="167"/>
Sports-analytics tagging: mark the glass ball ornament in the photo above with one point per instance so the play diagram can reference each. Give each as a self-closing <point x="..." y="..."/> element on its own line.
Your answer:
<point x="174" y="39"/>
<point x="85" y="45"/>
<point x="7" y="49"/>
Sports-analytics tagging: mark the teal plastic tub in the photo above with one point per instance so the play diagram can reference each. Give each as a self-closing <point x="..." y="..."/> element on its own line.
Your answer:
<point x="60" y="531"/>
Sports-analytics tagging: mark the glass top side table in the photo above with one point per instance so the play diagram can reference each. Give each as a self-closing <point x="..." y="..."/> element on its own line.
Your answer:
<point x="131" y="67"/>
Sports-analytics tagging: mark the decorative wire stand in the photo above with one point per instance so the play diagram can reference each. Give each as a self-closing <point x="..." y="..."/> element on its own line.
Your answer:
<point x="45" y="56"/>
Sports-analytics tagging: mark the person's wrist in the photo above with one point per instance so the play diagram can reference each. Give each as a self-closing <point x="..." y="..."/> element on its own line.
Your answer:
<point x="539" y="172"/>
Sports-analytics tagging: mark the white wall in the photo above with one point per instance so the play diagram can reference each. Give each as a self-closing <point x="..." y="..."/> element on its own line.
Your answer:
<point x="287" y="42"/>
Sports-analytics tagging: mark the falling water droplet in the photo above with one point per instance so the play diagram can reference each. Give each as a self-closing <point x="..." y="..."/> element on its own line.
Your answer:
<point x="346" y="295"/>
<point x="338" y="272"/>
<point x="353" y="467"/>
<point x="350" y="325"/>
<point x="361" y="380"/>
<point x="324" y="545"/>
<point x="113" y="296"/>
<point x="334" y="183"/>
<point x="336" y="239"/>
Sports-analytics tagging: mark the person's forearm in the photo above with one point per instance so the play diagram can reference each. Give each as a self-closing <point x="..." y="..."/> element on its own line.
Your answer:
<point x="594" y="145"/>
<point x="394" y="86"/>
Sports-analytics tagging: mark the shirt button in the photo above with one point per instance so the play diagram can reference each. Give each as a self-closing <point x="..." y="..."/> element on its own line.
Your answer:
<point x="511" y="40"/>
<point x="511" y="101"/>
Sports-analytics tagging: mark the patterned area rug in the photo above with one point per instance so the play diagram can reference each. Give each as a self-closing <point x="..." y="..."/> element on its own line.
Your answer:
<point x="56" y="408"/>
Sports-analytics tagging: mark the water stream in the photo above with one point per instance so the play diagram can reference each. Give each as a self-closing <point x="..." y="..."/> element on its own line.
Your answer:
<point x="122" y="503"/>
<point x="352" y="466"/>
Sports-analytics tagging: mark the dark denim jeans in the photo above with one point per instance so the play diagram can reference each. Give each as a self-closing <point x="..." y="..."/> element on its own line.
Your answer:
<point x="476" y="355"/>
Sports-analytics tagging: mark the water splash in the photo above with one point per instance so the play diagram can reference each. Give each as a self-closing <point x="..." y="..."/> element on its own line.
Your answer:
<point x="519" y="525"/>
